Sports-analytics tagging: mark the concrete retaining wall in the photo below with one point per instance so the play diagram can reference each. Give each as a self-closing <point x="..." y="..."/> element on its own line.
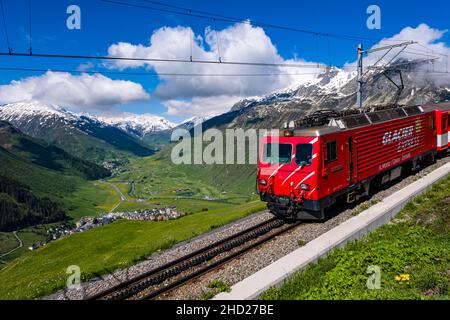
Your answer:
<point x="354" y="228"/>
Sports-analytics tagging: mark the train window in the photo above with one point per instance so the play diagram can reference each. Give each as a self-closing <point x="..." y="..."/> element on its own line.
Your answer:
<point x="432" y="122"/>
<point x="331" y="151"/>
<point x="412" y="110"/>
<point x="277" y="153"/>
<point x="444" y="124"/>
<point x="356" y="121"/>
<point x="375" y="117"/>
<point x="303" y="154"/>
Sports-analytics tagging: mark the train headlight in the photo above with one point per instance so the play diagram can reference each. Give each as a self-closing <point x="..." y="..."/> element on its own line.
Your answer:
<point x="263" y="182"/>
<point x="304" y="186"/>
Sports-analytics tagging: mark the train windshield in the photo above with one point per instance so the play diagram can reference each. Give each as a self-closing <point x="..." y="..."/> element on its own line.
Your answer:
<point x="303" y="154"/>
<point x="277" y="153"/>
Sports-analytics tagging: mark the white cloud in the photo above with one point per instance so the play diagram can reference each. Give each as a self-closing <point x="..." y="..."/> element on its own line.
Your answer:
<point x="82" y="93"/>
<point x="210" y="95"/>
<point x="201" y="106"/>
<point x="429" y="46"/>
<point x="196" y="95"/>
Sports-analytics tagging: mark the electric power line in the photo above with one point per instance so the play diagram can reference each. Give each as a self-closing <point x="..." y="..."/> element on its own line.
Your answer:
<point x="29" y="24"/>
<point x="92" y="57"/>
<point x="191" y="60"/>
<point x="431" y="50"/>
<point x="211" y="16"/>
<point x="151" y="73"/>
<point x="5" y="26"/>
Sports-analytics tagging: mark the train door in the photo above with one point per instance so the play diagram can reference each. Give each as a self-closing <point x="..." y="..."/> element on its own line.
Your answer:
<point x="351" y="161"/>
<point x="442" y="134"/>
<point x="445" y="128"/>
<point x="335" y="165"/>
<point x="448" y="129"/>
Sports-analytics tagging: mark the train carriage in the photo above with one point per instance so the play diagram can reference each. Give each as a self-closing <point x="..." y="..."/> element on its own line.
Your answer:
<point x="303" y="171"/>
<point x="442" y="123"/>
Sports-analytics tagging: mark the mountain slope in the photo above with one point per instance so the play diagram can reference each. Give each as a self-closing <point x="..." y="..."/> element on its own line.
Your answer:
<point x="80" y="135"/>
<point x="19" y="207"/>
<point x="159" y="139"/>
<point x="41" y="183"/>
<point x="45" y="155"/>
<point x="335" y="89"/>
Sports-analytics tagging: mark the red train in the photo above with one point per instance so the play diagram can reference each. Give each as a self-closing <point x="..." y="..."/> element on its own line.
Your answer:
<point x="325" y="158"/>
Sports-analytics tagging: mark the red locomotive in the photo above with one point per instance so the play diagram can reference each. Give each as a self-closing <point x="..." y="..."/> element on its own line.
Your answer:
<point x="328" y="157"/>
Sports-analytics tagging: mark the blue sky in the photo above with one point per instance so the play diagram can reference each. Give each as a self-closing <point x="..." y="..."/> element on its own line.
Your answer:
<point x="104" y="24"/>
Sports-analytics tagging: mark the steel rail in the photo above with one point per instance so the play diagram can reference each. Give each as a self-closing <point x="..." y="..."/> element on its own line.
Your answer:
<point x="155" y="276"/>
<point x="210" y="267"/>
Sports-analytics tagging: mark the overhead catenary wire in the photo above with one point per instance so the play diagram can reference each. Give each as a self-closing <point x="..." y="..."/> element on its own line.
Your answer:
<point x="156" y="60"/>
<point x="211" y="16"/>
<point x="29" y="24"/>
<point x="431" y="50"/>
<point x="191" y="44"/>
<point x="191" y="59"/>
<point x="151" y="73"/>
<point x="184" y="8"/>
<point x="218" y="41"/>
<point x="215" y="16"/>
<point x="5" y="27"/>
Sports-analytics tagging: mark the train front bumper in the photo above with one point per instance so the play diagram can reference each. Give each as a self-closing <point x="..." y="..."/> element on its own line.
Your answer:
<point x="288" y="209"/>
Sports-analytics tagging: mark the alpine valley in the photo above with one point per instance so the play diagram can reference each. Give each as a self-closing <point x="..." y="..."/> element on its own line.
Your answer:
<point x="58" y="166"/>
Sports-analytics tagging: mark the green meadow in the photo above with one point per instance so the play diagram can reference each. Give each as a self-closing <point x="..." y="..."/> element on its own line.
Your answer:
<point x="102" y="250"/>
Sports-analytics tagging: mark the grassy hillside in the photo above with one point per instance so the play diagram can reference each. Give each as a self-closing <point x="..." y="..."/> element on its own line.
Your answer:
<point x="44" y="155"/>
<point x="157" y="177"/>
<point x="412" y="253"/>
<point x="19" y="207"/>
<point x="45" y="171"/>
<point x="75" y="194"/>
<point x="105" y="249"/>
<point x="84" y="138"/>
<point x="115" y="138"/>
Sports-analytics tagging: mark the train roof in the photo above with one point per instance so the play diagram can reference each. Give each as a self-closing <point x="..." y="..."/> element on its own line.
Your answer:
<point x="336" y="122"/>
<point x="442" y="106"/>
<point x="374" y="117"/>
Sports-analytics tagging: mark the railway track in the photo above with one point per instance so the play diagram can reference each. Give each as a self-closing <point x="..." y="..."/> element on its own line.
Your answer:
<point x="166" y="278"/>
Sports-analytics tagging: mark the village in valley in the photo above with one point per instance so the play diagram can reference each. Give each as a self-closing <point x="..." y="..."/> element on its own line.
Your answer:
<point x="88" y="223"/>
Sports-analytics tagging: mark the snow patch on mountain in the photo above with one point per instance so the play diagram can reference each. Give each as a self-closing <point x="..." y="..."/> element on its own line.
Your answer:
<point x="29" y="110"/>
<point x="139" y="124"/>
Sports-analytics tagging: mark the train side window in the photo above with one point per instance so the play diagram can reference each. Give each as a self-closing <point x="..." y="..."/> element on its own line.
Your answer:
<point x="444" y="124"/>
<point x="331" y="151"/>
<point x="432" y="123"/>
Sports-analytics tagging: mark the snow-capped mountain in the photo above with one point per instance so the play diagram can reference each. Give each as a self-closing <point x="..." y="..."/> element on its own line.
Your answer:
<point x="192" y="122"/>
<point x="332" y="82"/>
<point x="334" y="89"/>
<point x="25" y="112"/>
<point x="79" y="134"/>
<point x="139" y="125"/>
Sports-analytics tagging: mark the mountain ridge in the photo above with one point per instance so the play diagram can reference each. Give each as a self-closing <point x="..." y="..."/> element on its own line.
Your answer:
<point x="335" y="89"/>
<point x="78" y="134"/>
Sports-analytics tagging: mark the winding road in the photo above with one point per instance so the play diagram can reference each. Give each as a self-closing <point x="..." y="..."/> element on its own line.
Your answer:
<point x="16" y="248"/>
<point x="122" y="196"/>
